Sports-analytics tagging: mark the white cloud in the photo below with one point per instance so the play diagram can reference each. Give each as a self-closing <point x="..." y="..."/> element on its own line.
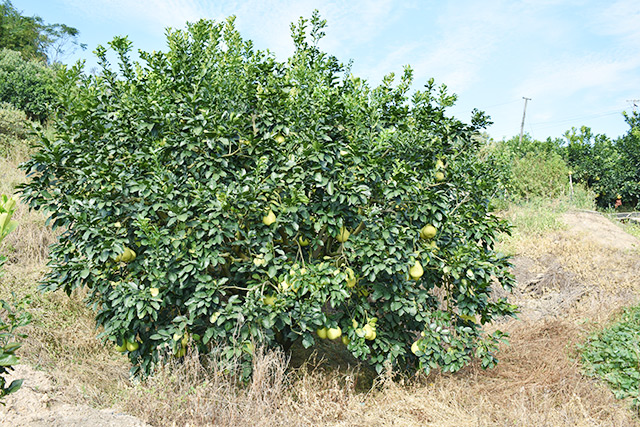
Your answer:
<point x="466" y="37"/>
<point x="621" y="19"/>
<point x="349" y="24"/>
<point x="566" y="53"/>
<point x="567" y="76"/>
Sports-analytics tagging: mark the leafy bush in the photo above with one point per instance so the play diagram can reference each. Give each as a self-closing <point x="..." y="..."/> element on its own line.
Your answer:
<point x="27" y="85"/>
<point x="212" y="196"/>
<point x="539" y="175"/>
<point x="628" y="148"/>
<point x="11" y="316"/>
<point x="614" y="356"/>
<point x="15" y="131"/>
<point x="532" y="168"/>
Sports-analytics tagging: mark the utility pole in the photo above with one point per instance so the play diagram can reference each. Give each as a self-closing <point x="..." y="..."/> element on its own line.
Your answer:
<point x="524" y="113"/>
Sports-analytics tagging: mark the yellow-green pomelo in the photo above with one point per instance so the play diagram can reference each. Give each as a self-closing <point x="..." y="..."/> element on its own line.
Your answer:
<point x="428" y="232"/>
<point x="343" y="235"/>
<point x="369" y="332"/>
<point x="416" y="271"/>
<point x="351" y="278"/>
<point x="128" y="255"/>
<point x="122" y="347"/>
<point x="333" y="333"/>
<point x="269" y="218"/>
<point x="269" y="300"/>
<point x="322" y="333"/>
<point x="414" y="347"/>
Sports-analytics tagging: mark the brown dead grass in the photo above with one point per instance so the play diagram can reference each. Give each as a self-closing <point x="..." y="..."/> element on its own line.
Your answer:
<point x="538" y="382"/>
<point x="275" y="395"/>
<point x="61" y="338"/>
<point x="28" y="245"/>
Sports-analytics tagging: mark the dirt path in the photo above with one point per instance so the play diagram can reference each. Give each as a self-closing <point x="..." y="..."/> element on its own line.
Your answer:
<point x="37" y="405"/>
<point x="595" y="227"/>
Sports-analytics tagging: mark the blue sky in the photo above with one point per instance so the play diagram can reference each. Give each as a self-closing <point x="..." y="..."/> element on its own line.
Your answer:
<point x="579" y="61"/>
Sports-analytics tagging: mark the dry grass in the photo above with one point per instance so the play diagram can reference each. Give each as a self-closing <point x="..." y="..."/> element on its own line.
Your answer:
<point x="61" y="341"/>
<point x="28" y="244"/>
<point x="537" y="383"/>
<point x="62" y="334"/>
<point x="189" y="394"/>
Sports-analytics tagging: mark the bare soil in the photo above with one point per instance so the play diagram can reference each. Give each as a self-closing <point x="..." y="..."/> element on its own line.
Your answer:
<point x="39" y="404"/>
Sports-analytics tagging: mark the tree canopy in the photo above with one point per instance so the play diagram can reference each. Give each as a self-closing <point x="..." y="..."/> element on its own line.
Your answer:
<point x="34" y="38"/>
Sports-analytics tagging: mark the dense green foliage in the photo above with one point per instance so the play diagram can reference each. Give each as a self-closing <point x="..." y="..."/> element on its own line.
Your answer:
<point x="12" y="317"/>
<point x="628" y="148"/>
<point x="614" y="356"/>
<point x="26" y="84"/>
<point x="540" y="175"/>
<point x="32" y="37"/>
<point x="608" y="167"/>
<point x="595" y="161"/>
<point x="531" y="169"/>
<point x="235" y="178"/>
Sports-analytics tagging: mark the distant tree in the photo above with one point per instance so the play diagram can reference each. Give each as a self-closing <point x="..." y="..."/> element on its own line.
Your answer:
<point x="26" y="84"/>
<point x="33" y="38"/>
<point x="629" y="150"/>
<point x="530" y="168"/>
<point x="609" y="167"/>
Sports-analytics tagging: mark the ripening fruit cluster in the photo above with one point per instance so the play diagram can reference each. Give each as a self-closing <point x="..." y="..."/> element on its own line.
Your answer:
<point x="126" y="345"/>
<point x="127" y="256"/>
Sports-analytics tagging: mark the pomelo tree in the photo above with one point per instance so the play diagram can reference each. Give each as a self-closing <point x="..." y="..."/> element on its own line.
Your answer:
<point x="212" y="196"/>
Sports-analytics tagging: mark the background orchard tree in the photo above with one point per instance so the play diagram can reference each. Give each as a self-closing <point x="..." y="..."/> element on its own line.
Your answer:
<point x="213" y="196"/>
<point x="33" y="38"/>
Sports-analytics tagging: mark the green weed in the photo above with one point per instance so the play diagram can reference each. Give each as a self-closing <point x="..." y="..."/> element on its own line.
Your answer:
<point x="613" y="355"/>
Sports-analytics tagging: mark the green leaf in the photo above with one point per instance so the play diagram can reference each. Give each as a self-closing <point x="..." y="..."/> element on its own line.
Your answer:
<point x="13" y="387"/>
<point x="8" y="360"/>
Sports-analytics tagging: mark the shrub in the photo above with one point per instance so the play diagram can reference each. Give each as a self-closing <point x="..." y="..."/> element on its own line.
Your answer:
<point x="27" y="85"/>
<point x="613" y="354"/>
<point x="212" y="196"/>
<point x="539" y="175"/>
<point x="609" y="167"/>
<point x="15" y="131"/>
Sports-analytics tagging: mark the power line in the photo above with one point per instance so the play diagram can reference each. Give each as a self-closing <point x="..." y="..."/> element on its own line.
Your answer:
<point x="571" y="119"/>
